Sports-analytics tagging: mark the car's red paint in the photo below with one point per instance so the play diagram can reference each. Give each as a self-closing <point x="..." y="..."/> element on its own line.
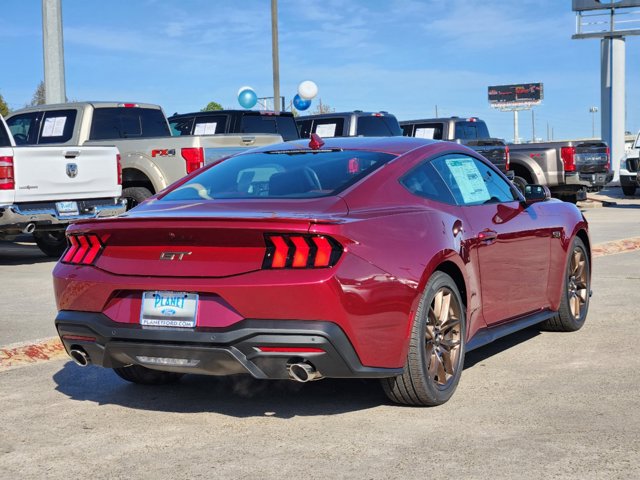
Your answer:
<point x="510" y="257"/>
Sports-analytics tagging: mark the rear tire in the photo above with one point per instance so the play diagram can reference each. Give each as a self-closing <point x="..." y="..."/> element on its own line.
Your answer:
<point x="135" y="195"/>
<point x="575" y="294"/>
<point x="436" y="349"/>
<point x="629" y="190"/>
<point x="51" y="243"/>
<point x="146" y="376"/>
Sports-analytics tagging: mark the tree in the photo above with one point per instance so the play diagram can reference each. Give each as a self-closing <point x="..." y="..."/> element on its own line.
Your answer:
<point x="212" y="106"/>
<point x="323" y="108"/>
<point x="4" y="108"/>
<point x="39" y="97"/>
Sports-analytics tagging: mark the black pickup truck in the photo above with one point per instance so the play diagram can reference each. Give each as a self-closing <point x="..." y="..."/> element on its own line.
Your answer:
<point x="471" y="132"/>
<point x="349" y="124"/>
<point x="234" y="121"/>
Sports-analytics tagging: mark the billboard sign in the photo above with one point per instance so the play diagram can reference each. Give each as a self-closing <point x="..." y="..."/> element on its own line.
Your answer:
<point x="586" y="5"/>
<point x="519" y="94"/>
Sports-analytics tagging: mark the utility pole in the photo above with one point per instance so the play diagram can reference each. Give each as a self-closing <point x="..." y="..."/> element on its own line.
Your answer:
<point x="548" y="137"/>
<point x="436" y="111"/>
<point x="516" y="134"/>
<point x="533" y="126"/>
<point x="275" y="56"/>
<point x="53" y="49"/>
<point x="593" y="111"/>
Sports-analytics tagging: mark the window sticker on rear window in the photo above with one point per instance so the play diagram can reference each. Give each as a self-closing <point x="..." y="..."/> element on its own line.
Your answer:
<point x="326" y="130"/>
<point x="425" y="133"/>
<point x="205" y="128"/>
<point x="53" y="126"/>
<point x="469" y="180"/>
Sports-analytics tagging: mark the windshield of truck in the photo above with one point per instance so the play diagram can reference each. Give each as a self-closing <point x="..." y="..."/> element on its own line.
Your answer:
<point x="471" y="130"/>
<point x="378" y="126"/>
<point x="282" y="125"/>
<point x="281" y="174"/>
<point x="128" y="122"/>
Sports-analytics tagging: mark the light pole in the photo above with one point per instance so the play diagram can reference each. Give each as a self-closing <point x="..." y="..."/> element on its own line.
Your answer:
<point x="593" y="111"/>
<point x="275" y="56"/>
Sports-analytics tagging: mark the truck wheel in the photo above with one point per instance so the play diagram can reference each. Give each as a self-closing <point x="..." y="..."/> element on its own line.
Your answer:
<point x="146" y="376"/>
<point x="436" y="348"/>
<point x="575" y="294"/>
<point x="520" y="183"/>
<point x="52" y="244"/>
<point x="135" y="196"/>
<point x="629" y="190"/>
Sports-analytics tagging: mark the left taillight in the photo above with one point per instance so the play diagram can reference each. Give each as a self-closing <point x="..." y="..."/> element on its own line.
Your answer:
<point x="7" y="179"/>
<point x="83" y="249"/>
<point x="193" y="158"/>
<point x="300" y="251"/>
<point x="119" y="163"/>
<point x="507" y="157"/>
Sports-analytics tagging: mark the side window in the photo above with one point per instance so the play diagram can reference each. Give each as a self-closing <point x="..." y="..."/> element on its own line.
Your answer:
<point x="57" y="126"/>
<point x="471" y="182"/>
<point x="407" y="130"/>
<point x="432" y="131"/>
<point x="471" y="130"/>
<point x="305" y="128"/>
<point x="329" y="127"/>
<point x="373" y="126"/>
<point x="182" y="126"/>
<point x="24" y="128"/>
<point x="210" y="124"/>
<point x="425" y="181"/>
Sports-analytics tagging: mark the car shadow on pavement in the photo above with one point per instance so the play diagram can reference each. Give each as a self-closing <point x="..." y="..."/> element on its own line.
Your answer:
<point x="23" y="253"/>
<point x="236" y="396"/>
<point x="498" y="346"/>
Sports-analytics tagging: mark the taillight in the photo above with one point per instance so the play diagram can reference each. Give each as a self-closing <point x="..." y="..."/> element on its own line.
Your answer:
<point x="119" y="162"/>
<point x="83" y="249"/>
<point x="608" y="165"/>
<point x="193" y="157"/>
<point x="128" y="105"/>
<point x="568" y="158"/>
<point x="7" y="180"/>
<point x="300" y="251"/>
<point x="507" y="157"/>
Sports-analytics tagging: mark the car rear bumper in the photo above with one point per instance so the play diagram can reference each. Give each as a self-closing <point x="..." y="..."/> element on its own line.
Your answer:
<point x="214" y="351"/>
<point x="45" y="215"/>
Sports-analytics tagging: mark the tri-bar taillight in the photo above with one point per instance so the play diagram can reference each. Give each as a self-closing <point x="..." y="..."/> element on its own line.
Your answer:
<point x="83" y="249"/>
<point x="300" y="251"/>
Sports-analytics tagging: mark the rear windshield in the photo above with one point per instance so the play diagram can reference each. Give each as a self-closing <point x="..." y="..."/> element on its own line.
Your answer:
<point x="281" y="174"/>
<point x="378" y="126"/>
<point x="284" y="126"/>
<point x="471" y="130"/>
<point x="123" y="122"/>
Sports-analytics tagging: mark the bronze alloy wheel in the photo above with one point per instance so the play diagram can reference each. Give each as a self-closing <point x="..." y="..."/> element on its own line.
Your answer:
<point x="443" y="337"/>
<point x="578" y="283"/>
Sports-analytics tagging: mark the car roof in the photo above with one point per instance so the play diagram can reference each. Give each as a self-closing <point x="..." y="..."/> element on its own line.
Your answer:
<point x="358" y="113"/>
<point x="239" y="112"/>
<point x="395" y="145"/>
<point x="101" y="104"/>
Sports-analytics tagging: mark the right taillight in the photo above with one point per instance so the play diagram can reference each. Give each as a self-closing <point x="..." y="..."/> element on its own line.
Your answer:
<point x="300" y="251"/>
<point x="119" y="166"/>
<point x="193" y="158"/>
<point x="568" y="158"/>
<point x="7" y="179"/>
<point x="83" y="249"/>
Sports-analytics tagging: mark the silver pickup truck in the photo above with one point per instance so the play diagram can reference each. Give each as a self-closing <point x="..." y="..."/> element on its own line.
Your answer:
<point x="569" y="169"/>
<point x="152" y="159"/>
<point x="44" y="188"/>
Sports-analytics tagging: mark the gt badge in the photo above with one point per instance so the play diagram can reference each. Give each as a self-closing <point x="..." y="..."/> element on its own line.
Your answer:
<point x="173" y="255"/>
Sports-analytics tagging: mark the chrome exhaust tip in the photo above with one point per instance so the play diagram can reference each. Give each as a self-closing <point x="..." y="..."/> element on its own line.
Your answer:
<point x="303" y="372"/>
<point x="80" y="357"/>
<point x="30" y="228"/>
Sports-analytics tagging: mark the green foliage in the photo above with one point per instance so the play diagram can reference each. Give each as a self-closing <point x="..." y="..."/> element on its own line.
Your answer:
<point x="4" y="108"/>
<point x="212" y="106"/>
<point x="39" y="97"/>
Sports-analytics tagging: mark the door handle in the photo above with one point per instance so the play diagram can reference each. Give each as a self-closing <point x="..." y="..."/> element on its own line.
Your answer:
<point x="71" y="153"/>
<point x="487" y="236"/>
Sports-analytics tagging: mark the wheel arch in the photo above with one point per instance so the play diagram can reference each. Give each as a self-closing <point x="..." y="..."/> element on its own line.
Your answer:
<point x="132" y="177"/>
<point x="525" y="167"/>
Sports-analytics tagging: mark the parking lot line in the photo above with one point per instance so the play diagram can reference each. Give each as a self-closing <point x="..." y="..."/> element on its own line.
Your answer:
<point x="34" y="352"/>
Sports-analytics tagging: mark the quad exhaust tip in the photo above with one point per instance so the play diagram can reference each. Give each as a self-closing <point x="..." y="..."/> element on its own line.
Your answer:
<point x="303" y="372"/>
<point x="80" y="357"/>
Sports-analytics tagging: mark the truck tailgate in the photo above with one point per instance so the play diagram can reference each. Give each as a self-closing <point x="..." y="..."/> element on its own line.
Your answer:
<point x="65" y="173"/>
<point x="220" y="146"/>
<point x="592" y="157"/>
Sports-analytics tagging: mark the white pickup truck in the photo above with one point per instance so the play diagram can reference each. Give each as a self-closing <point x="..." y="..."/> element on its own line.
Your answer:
<point x="44" y="188"/>
<point x="630" y="169"/>
<point x="152" y="159"/>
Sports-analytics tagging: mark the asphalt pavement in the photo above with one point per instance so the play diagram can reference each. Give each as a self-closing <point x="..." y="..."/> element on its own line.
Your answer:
<point x="534" y="405"/>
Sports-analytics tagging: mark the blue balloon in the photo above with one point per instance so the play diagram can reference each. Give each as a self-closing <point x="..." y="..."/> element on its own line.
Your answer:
<point x="300" y="103"/>
<point x="247" y="98"/>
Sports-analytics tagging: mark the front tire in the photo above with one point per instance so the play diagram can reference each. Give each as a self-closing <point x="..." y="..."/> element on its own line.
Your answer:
<point x="146" y="376"/>
<point x="51" y="243"/>
<point x="576" y="292"/>
<point x="436" y="350"/>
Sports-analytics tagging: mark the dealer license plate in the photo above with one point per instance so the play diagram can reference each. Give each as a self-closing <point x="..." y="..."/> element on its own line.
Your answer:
<point x="66" y="209"/>
<point x="169" y="309"/>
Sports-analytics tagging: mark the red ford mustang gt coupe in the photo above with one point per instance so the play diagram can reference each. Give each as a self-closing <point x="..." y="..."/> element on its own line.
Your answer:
<point x="352" y="258"/>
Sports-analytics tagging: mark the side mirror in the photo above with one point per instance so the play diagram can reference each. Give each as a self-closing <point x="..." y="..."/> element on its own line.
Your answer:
<point x="536" y="193"/>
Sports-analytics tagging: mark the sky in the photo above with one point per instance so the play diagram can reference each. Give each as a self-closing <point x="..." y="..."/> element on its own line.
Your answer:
<point x="407" y="57"/>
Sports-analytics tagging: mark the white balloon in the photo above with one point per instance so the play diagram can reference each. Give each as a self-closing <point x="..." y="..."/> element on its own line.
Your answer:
<point x="307" y="89"/>
<point x="246" y="87"/>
